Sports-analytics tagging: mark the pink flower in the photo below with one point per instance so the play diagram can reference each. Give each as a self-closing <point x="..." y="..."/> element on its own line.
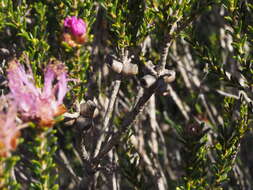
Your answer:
<point x="9" y="131"/>
<point x="75" y="25"/>
<point x="37" y="104"/>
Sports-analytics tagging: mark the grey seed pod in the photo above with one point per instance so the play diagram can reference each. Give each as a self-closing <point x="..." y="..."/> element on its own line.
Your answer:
<point x="169" y="76"/>
<point x="114" y="64"/>
<point x="83" y="123"/>
<point x="117" y="66"/>
<point x="87" y="109"/>
<point x="130" y="69"/>
<point x="147" y="81"/>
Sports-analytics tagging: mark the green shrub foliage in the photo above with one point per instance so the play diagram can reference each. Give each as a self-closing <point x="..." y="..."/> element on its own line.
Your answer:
<point x="158" y="95"/>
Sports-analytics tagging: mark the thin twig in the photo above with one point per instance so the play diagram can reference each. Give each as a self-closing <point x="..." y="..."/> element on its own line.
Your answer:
<point x="165" y="48"/>
<point x="65" y="162"/>
<point x="109" y="110"/>
<point x="108" y="113"/>
<point x="181" y="105"/>
<point x="175" y="30"/>
<point x="161" y="179"/>
<point x="129" y="119"/>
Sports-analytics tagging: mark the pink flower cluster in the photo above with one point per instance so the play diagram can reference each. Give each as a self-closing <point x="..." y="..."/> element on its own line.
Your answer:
<point x="37" y="104"/>
<point x="9" y="131"/>
<point x="75" y="31"/>
<point x="31" y="103"/>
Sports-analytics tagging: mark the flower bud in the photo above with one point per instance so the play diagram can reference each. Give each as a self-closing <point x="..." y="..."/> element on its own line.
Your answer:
<point x="75" y="26"/>
<point x="75" y="31"/>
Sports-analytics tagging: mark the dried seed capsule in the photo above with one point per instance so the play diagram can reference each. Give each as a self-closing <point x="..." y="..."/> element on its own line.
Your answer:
<point x="69" y="122"/>
<point x="83" y="123"/>
<point x="130" y="69"/>
<point x="87" y="109"/>
<point x="147" y="81"/>
<point x="169" y="76"/>
<point x="114" y="64"/>
<point x="117" y="66"/>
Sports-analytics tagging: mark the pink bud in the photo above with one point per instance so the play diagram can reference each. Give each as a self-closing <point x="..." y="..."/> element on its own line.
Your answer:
<point x="75" y="25"/>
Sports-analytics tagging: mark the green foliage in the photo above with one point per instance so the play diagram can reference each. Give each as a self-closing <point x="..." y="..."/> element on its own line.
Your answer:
<point x="129" y="161"/>
<point x="228" y="140"/>
<point x="198" y="127"/>
<point x="194" y="152"/>
<point x="43" y="166"/>
<point x="6" y="168"/>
